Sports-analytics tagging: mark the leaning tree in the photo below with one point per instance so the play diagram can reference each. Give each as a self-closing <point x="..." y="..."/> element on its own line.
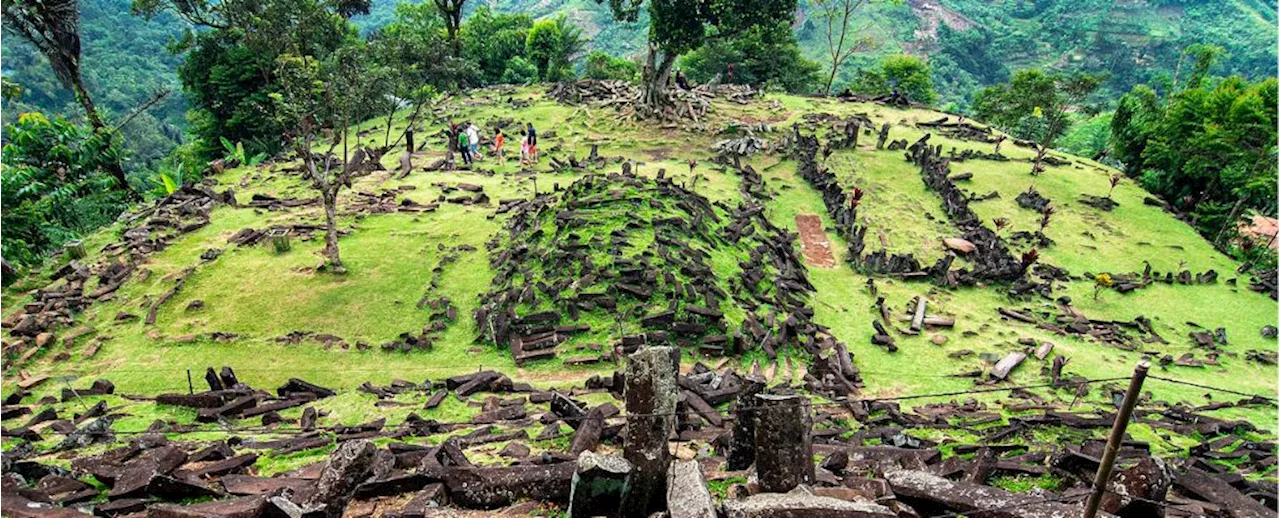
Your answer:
<point x="53" y="28"/>
<point x="680" y="26"/>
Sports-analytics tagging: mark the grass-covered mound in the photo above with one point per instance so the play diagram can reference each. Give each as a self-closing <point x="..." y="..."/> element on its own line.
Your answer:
<point x="631" y="260"/>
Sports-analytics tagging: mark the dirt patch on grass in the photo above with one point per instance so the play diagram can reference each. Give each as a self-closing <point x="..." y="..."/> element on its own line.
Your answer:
<point x="658" y="154"/>
<point x="814" y="242"/>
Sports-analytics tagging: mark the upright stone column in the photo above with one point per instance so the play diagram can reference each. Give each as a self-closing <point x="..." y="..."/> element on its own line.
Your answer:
<point x="650" y="397"/>
<point x="742" y="443"/>
<point x="350" y="465"/>
<point x="784" y="450"/>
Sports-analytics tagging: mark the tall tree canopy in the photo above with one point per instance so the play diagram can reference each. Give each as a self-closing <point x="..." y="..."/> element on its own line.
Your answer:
<point x="551" y="45"/>
<point x="1035" y="105"/>
<point x="451" y="11"/>
<point x="492" y="40"/>
<point x="680" y="26"/>
<point x="230" y="71"/>
<point x="1205" y="148"/>
<point x="762" y="55"/>
<point x="54" y="188"/>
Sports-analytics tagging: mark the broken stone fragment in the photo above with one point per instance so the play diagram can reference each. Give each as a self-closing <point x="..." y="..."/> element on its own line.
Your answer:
<point x="961" y="497"/>
<point x="476" y="487"/>
<point x="784" y="451"/>
<point x="687" y="494"/>
<point x="598" y="484"/>
<point x="650" y="395"/>
<point x="963" y="246"/>
<point x="801" y="503"/>
<point x="1132" y="491"/>
<point x="349" y="466"/>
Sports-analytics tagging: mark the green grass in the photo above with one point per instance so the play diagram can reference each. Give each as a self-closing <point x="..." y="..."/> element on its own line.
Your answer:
<point x="720" y="488"/>
<point x="1026" y="483"/>
<point x="259" y="295"/>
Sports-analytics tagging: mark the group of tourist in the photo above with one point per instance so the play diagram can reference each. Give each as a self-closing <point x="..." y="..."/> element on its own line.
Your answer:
<point x="468" y="140"/>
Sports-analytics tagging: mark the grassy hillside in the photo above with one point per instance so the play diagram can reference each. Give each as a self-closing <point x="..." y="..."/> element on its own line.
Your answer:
<point x="261" y="297"/>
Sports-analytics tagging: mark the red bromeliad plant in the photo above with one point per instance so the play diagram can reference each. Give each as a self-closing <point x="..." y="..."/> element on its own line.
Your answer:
<point x="1029" y="258"/>
<point x="855" y="198"/>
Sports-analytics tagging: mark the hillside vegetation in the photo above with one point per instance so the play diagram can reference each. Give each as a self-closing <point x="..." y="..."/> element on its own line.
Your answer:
<point x="273" y="316"/>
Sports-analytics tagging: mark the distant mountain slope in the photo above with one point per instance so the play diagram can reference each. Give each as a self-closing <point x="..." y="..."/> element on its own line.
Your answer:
<point x="970" y="44"/>
<point x="974" y="43"/>
<point x="125" y="62"/>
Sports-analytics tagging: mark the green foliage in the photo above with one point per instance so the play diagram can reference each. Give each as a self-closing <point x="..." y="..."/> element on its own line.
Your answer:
<point x="492" y="40"/>
<point x="1128" y="43"/>
<point x="963" y="63"/>
<point x="412" y="52"/>
<point x="907" y="74"/>
<point x="1090" y="137"/>
<point x="1209" y="148"/>
<point x="1205" y="148"/>
<point x="10" y="90"/>
<point x="1029" y="94"/>
<point x="551" y="45"/>
<point x="1034" y="105"/>
<point x="53" y="186"/>
<point x="168" y="181"/>
<point x="228" y="74"/>
<point x="603" y="66"/>
<point x="761" y="55"/>
<point x="519" y="70"/>
<point x="679" y="26"/>
<point x="236" y="152"/>
<point x="228" y="85"/>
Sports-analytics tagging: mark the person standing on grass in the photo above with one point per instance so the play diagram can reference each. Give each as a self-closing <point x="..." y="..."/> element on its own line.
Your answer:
<point x="498" y="140"/>
<point x="533" y="144"/>
<point x="524" y="148"/>
<point x="464" y="147"/>
<point x="473" y="135"/>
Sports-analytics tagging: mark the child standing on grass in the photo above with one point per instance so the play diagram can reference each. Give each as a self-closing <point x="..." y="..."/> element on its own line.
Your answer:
<point x="524" y="148"/>
<point x="498" y="140"/>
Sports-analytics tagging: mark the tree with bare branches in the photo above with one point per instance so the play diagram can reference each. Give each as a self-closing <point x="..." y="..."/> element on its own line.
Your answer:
<point x="842" y="39"/>
<point x="53" y="28"/>
<point x="319" y="101"/>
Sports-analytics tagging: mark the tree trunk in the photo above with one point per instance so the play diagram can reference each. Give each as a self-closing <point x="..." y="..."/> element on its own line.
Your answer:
<point x="386" y="140"/>
<point x="654" y="95"/>
<point x="831" y="79"/>
<point x="1231" y="219"/>
<point x="330" y="197"/>
<point x="451" y="28"/>
<point x="91" y="112"/>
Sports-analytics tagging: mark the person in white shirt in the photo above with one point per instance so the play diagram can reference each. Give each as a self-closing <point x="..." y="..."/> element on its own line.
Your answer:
<point x="473" y="135"/>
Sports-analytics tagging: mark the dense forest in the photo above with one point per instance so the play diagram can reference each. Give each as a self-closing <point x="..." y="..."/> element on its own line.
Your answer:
<point x="1141" y="84"/>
